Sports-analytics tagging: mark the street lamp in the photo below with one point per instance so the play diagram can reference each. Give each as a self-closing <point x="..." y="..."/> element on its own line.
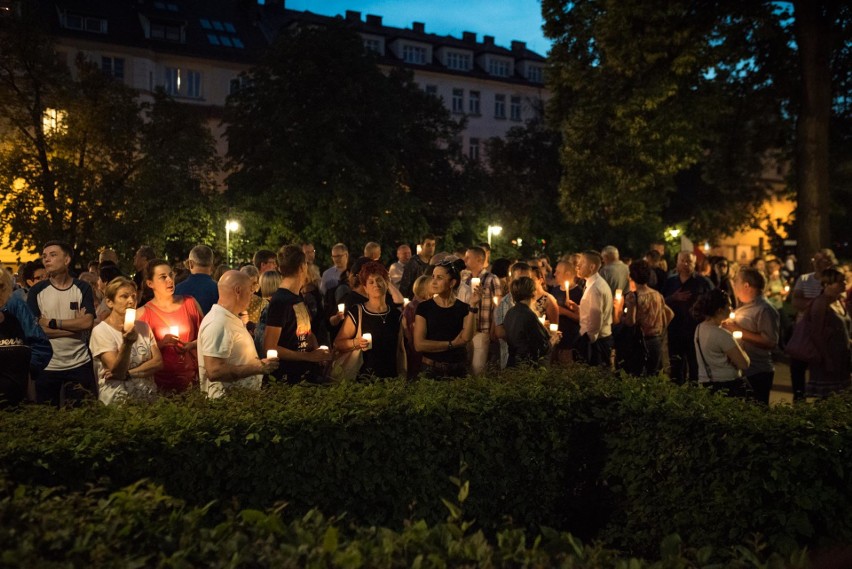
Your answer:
<point x="230" y="225"/>
<point x="493" y="230"/>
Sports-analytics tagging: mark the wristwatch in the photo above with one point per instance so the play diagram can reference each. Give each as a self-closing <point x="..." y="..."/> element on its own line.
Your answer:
<point x="450" y="345"/>
<point x="52" y="324"/>
<point x="473" y="310"/>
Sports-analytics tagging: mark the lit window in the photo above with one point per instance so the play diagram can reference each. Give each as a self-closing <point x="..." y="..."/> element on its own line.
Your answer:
<point x="473" y="102"/>
<point x="458" y="100"/>
<point x="182" y="82"/>
<point x="414" y="54"/>
<point x="53" y="120"/>
<point x="499" y="106"/>
<point x="515" y="108"/>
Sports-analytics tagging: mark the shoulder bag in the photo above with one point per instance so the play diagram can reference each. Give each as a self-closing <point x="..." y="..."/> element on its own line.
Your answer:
<point x="347" y="364"/>
<point x="801" y="344"/>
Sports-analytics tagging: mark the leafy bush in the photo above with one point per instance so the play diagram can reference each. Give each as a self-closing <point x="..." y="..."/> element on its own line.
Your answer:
<point x="623" y="460"/>
<point x="141" y="526"/>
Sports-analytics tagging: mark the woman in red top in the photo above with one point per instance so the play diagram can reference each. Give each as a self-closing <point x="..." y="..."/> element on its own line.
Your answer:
<point x="167" y="314"/>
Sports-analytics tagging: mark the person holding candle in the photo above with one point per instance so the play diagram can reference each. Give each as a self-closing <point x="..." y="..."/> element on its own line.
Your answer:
<point x="721" y="358"/>
<point x="759" y="323"/>
<point x="381" y="340"/>
<point x="498" y="331"/>
<point x="567" y="295"/>
<point x="227" y="357"/>
<point x="529" y="342"/>
<point x="487" y="286"/>
<point x="124" y="348"/>
<point x="595" y="343"/>
<point x="164" y="310"/>
<point x="646" y="317"/>
<point x="443" y="325"/>
<point x="269" y="283"/>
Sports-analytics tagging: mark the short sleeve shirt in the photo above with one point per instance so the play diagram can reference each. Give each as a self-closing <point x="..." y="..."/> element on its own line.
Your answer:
<point x="223" y="335"/>
<point x="715" y="343"/>
<point x="289" y="312"/>
<point x="443" y="325"/>
<point x="46" y="300"/>
<point x="105" y="339"/>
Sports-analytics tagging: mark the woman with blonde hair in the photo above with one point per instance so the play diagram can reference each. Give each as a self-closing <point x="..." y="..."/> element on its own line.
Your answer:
<point x="126" y="355"/>
<point x="269" y="283"/>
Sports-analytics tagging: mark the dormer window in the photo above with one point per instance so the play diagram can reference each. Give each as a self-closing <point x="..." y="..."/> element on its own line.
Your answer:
<point x="76" y="21"/>
<point x="168" y="31"/>
<point x="459" y="61"/>
<point x="535" y="74"/>
<point x="414" y="54"/>
<point x="499" y="67"/>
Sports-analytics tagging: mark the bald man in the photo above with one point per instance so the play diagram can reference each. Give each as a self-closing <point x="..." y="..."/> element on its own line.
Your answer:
<point x="226" y="353"/>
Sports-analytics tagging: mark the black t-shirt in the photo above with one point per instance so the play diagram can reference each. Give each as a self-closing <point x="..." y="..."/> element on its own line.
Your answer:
<point x="380" y="360"/>
<point x="682" y="327"/>
<point x="289" y="312"/>
<point x="570" y="328"/>
<point x="443" y="325"/>
<point x="14" y="361"/>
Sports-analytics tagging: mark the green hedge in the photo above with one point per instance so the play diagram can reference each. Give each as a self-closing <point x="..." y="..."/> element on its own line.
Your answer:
<point x="623" y="460"/>
<point x="141" y="526"/>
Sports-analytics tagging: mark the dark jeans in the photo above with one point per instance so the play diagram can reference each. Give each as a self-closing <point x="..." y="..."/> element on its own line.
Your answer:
<point x="597" y="353"/>
<point x="60" y="387"/>
<point x="761" y="384"/>
<point x="798" y="369"/>
<point x="683" y="360"/>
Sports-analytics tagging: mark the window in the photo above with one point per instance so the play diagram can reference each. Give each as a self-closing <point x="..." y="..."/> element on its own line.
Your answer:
<point x="414" y="54"/>
<point x="374" y="45"/>
<point x="459" y="61"/>
<point x="498" y="67"/>
<point x="458" y="100"/>
<point x="182" y="82"/>
<point x="535" y="74"/>
<point x="85" y="23"/>
<point x="473" y="102"/>
<point x="166" y="31"/>
<point x="237" y="84"/>
<point x="515" y="108"/>
<point x="432" y="90"/>
<point x="499" y="106"/>
<point x="473" y="149"/>
<point x="113" y="66"/>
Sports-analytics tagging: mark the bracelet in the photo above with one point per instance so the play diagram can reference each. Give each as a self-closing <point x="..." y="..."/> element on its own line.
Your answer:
<point x="450" y="345"/>
<point x="354" y="343"/>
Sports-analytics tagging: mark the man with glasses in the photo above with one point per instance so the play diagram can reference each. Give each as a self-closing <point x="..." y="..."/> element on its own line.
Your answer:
<point x="331" y="276"/>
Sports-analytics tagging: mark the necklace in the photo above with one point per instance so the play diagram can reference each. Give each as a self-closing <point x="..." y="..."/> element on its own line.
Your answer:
<point x="382" y="315"/>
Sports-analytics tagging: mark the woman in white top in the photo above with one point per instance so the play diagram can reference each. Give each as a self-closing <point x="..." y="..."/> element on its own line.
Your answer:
<point x="125" y="357"/>
<point x="721" y="359"/>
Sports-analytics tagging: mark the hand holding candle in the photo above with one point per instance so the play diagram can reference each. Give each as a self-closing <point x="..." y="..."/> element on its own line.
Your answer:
<point x="341" y="307"/>
<point x="271" y="354"/>
<point x="738" y="335"/>
<point x="369" y="337"/>
<point x="732" y="315"/>
<point x="129" y="319"/>
<point x="618" y="294"/>
<point x="554" y="327"/>
<point x="174" y="331"/>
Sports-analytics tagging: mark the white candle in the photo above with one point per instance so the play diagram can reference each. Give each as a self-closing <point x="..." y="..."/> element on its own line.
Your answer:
<point x="542" y="319"/>
<point x="129" y="319"/>
<point x="567" y="285"/>
<point x="341" y="307"/>
<point x="738" y="335"/>
<point x="618" y="294"/>
<point x="474" y="282"/>
<point x="419" y="249"/>
<point x="496" y="300"/>
<point x="323" y="347"/>
<point x="405" y="302"/>
<point x="174" y="330"/>
<point x="786" y="288"/>
<point x="732" y="315"/>
<point x="271" y="354"/>
<point x="554" y="327"/>
<point x="369" y="337"/>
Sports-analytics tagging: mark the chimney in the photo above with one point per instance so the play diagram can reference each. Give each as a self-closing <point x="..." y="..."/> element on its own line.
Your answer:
<point x="469" y="37"/>
<point x="374" y="20"/>
<point x="518" y="45"/>
<point x="419" y="27"/>
<point x="353" y="16"/>
<point x="488" y="40"/>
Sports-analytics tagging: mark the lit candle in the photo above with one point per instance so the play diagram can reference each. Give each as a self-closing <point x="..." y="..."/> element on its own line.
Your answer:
<point x="174" y="330"/>
<point x="496" y="300"/>
<point x="341" y="307"/>
<point x="618" y="294"/>
<point x="474" y="282"/>
<point x="567" y="285"/>
<point x="271" y="354"/>
<point x="323" y="347"/>
<point x="542" y="319"/>
<point x="369" y="337"/>
<point x="419" y="249"/>
<point x="738" y="335"/>
<point x="405" y="302"/>
<point x="786" y="288"/>
<point x="732" y="315"/>
<point x="129" y="319"/>
<point x="554" y="327"/>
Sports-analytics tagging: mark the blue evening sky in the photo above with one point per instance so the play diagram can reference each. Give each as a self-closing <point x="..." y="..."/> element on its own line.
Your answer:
<point x="506" y="20"/>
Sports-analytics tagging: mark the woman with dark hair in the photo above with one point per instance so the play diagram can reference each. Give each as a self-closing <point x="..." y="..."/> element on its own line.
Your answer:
<point x="529" y="342"/>
<point x="829" y="327"/>
<point x="167" y="314"/>
<point x="720" y="275"/>
<point x="383" y="350"/>
<point x="646" y="313"/>
<point x="721" y="359"/>
<point x="443" y="325"/>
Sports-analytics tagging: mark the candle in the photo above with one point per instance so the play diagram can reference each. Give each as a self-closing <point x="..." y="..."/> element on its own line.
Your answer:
<point x="323" y="347"/>
<point x="786" y="288"/>
<point x="738" y="335"/>
<point x="341" y="307"/>
<point x="419" y="249"/>
<point x="369" y="337"/>
<point x="567" y="285"/>
<point x="129" y="319"/>
<point x="732" y="315"/>
<point x="496" y="300"/>
<point x="271" y="354"/>
<point x="554" y="327"/>
<point x="405" y="302"/>
<point x="474" y="282"/>
<point x="618" y="294"/>
<point x="174" y="330"/>
<point x="542" y="319"/>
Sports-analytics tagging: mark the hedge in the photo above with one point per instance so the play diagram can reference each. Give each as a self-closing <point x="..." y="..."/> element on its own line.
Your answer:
<point x="623" y="460"/>
<point x="142" y="526"/>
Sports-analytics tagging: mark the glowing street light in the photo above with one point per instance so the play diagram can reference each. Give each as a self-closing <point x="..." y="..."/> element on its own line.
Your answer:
<point x="493" y="230"/>
<point x="230" y="226"/>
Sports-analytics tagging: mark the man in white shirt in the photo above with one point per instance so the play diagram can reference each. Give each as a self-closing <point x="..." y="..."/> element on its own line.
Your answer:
<point x="331" y="276"/>
<point x="226" y="353"/>
<point x="595" y="344"/>
<point x="403" y="255"/>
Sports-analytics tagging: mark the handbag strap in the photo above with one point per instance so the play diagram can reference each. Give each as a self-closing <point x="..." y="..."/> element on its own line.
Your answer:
<point x="701" y="352"/>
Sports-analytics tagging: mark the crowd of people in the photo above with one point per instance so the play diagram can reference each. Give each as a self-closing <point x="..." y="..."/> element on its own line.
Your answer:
<point x="450" y="314"/>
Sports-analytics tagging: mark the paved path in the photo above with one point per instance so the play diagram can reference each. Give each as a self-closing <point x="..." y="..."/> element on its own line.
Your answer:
<point x="782" y="390"/>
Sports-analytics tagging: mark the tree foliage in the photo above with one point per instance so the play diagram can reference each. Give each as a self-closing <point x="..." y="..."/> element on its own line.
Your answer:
<point x="669" y="110"/>
<point x="84" y="159"/>
<point x="329" y="148"/>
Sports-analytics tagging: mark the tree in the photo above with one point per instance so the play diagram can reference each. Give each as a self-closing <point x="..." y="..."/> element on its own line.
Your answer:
<point x="83" y="159"/>
<point x="329" y="148"/>
<point x="683" y="101"/>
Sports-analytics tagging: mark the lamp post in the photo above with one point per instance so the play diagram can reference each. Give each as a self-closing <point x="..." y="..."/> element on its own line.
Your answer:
<point x="230" y="225"/>
<point x="493" y="230"/>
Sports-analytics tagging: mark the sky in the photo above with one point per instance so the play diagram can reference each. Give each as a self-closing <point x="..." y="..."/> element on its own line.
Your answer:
<point x="506" y="20"/>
